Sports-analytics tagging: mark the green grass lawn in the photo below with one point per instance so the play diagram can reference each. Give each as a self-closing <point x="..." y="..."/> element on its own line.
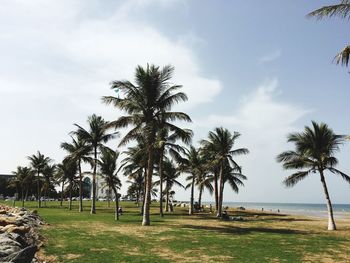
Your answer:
<point x="71" y="236"/>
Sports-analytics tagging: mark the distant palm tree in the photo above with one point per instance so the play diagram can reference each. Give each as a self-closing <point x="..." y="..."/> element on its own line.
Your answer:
<point x="204" y="181"/>
<point x="170" y="177"/>
<point x="67" y="171"/>
<point x="314" y="152"/>
<point x="108" y="168"/>
<point x="341" y="10"/>
<point x="167" y="143"/>
<point x="220" y="142"/>
<point x="23" y="175"/>
<point x="48" y="173"/>
<point x="79" y="151"/>
<point x="38" y="163"/>
<point x="95" y="137"/>
<point x="191" y="163"/>
<point x="148" y="103"/>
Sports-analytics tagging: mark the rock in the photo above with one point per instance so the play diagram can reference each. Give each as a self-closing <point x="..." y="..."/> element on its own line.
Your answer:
<point x="23" y="256"/>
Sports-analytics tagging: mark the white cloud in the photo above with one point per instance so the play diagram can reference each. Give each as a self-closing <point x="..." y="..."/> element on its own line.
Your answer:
<point x="264" y="122"/>
<point x="58" y="57"/>
<point x="270" y="57"/>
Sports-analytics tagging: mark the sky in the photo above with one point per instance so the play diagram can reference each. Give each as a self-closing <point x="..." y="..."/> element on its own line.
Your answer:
<point x="260" y="68"/>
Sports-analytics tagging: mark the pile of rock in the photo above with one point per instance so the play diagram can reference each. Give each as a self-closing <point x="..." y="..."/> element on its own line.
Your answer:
<point x="19" y="236"/>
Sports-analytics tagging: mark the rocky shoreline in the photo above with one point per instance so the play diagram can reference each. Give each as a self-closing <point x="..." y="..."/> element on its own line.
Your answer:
<point x="19" y="235"/>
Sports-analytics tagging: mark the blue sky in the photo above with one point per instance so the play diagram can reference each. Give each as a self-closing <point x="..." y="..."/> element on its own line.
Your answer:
<point x="260" y="68"/>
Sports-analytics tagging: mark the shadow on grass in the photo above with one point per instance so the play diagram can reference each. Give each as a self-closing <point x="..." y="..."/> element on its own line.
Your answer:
<point x="244" y="230"/>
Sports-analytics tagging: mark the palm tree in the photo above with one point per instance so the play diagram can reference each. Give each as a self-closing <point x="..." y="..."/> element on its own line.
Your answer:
<point x="148" y="103"/>
<point x="67" y="170"/>
<point x="94" y="138"/>
<point x="314" y="152"/>
<point x="220" y="142"/>
<point x="108" y="168"/>
<point x="79" y="152"/>
<point x="204" y="182"/>
<point x="170" y="176"/>
<point x="167" y="142"/>
<point x="234" y="176"/>
<point x="341" y="10"/>
<point x="48" y="173"/>
<point x="38" y="163"/>
<point x="192" y="164"/>
<point x="22" y="177"/>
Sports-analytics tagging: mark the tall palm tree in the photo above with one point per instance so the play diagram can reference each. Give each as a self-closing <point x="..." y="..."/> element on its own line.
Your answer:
<point x="221" y="142"/>
<point x="78" y="151"/>
<point x="341" y="10"/>
<point x="108" y="168"/>
<point x="314" y="153"/>
<point x="95" y="138"/>
<point x="148" y="103"/>
<point x="167" y="143"/>
<point x="67" y="170"/>
<point x="38" y="163"/>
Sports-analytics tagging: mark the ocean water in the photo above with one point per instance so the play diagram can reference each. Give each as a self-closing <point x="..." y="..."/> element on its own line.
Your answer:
<point x="317" y="210"/>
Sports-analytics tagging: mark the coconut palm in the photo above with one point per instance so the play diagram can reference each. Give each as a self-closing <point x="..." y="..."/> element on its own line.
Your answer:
<point x="23" y="175"/>
<point x="108" y="168"/>
<point x="49" y="179"/>
<point x="314" y="153"/>
<point x="38" y="163"/>
<point x="191" y="163"/>
<point x="220" y="143"/>
<point x="94" y="138"/>
<point x="234" y="177"/>
<point x="170" y="177"/>
<point x="167" y="143"/>
<point x="78" y="151"/>
<point x="341" y="10"/>
<point x="204" y="181"/>
<point x="148" y="103"/>
<point x="67" y="170"/>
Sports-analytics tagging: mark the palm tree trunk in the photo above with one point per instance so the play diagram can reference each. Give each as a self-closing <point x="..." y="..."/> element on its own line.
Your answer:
<point x="200" y="197"/>
<point x="116" y="213"/>
<point x="93" y="201"/>
<point x="38" y="185"/>
<point x="161" y="182"/>
<point x="22" y="196"/>
<point x="109" y="197"/>
<point x="80" y="188"/>
<point x="167" y="198"/>
<point x="216" y="191"/>
<point x="147" y="200"/>
<point x="190" y="211"/>
<point x="70" y="196"/>
<point x="62" y="192"/>
<point x="331" y="222"/>
<point x="221" y="181"/>
<point x="27" y="193"/>
<point x="144" y="192"/>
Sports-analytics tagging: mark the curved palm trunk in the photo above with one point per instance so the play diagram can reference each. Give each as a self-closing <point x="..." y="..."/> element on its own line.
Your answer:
<point x="216" y="191"/>
<point x="220" y="197"/>
<point x="116" y="207"/>
<point x="93" y="201"/>
<point x="331" y="222"/>
<point x="147" y="200"/>
<point x="80" y="188"/>
<point x="190" y="211"/>
<point x="70" y="196"/>
<point x="161" y="182"/>
<point x="38" y="186"/>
